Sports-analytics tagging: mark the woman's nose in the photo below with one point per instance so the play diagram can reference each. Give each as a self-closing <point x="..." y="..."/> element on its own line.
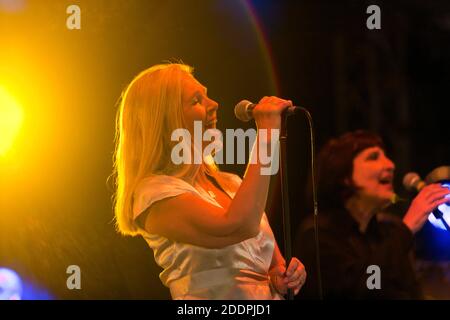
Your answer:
<point x="389" y="164"/>
<point x="212" y="105"/>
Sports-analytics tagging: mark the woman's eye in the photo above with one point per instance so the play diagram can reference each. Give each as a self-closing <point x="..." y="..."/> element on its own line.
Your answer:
<point x="373" y="156"/>
<point x="195" y="101"/>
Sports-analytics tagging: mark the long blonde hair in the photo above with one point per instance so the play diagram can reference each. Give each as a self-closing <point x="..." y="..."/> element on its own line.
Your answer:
<point x="150" y="110"/>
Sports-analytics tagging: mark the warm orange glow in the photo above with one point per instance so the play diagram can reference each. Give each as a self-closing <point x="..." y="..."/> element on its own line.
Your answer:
<point x="10" y="120"/>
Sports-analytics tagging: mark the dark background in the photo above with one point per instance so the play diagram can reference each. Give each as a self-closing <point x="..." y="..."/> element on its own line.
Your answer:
<point x="55" y="203"/>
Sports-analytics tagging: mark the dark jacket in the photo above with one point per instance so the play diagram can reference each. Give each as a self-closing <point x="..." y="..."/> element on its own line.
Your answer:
<point x="346" y="253"/>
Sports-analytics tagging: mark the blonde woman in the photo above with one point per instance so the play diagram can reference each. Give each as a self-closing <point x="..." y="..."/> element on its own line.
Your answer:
<point x="207" y="228"/>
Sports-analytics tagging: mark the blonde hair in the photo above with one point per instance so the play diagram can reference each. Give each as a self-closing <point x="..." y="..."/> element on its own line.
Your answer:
<point x="150" y="110"/>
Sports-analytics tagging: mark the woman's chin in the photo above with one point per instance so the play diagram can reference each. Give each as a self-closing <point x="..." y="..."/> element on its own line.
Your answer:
<point x="381" y="200"/>
<point x="387" y="199"/>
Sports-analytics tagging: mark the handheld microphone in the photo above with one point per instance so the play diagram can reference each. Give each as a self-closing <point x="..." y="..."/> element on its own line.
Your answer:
<point x="413" y="182"/>
<point x="244" y="110"/>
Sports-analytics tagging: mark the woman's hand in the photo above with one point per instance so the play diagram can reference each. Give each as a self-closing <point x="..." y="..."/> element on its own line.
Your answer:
<point x="267" y="113"/>
<point x="293" y="277"/>
<point x="428" y="199"/>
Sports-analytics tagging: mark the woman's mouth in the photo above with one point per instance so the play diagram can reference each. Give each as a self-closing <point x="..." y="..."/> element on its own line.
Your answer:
<point x="386" y="181"/>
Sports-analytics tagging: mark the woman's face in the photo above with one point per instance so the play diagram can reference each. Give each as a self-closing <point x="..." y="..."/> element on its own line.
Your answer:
<point x="373" y="174"/>
<point x="197" y="106"/>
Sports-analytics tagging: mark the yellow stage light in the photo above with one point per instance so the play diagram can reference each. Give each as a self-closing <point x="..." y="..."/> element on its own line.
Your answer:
<point x="11" y="117"/>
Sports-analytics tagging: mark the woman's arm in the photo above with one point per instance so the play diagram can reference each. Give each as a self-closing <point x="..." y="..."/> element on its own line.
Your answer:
<point x="190" y="219"/>
<point x="187" y="218"/>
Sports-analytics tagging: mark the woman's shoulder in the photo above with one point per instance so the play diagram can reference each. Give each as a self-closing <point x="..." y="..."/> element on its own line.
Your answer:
<point x="157" y="187"/>
<point x="161" y="182"/>
<point x="230" y="177"/>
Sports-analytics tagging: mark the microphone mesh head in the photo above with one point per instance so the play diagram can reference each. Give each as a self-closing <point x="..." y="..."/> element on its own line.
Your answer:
<point x="240" y="110"/>
<point x="411" y="180"/>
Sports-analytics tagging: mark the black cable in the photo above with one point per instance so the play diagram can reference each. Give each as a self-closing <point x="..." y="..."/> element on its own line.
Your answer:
<point x="314" y="192"/>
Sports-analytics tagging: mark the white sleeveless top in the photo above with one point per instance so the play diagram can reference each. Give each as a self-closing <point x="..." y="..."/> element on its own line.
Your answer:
<point x="238" y="271"/>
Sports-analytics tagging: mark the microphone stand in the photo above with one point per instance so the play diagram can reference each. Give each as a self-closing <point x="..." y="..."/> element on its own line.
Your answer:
<point x="436" y="212"/>
<point x="439" y="216"/>
<point x="285" y="196"/>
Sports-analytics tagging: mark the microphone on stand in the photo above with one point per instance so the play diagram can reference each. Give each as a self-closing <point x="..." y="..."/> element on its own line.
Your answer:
<point x="244" y="110"/>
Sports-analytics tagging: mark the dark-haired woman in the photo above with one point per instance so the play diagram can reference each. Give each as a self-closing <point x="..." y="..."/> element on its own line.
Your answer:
<point x="364" y="253"/>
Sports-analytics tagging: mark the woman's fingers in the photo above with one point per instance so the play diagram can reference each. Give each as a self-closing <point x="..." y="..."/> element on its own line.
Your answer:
<point x="292" y="277"/>
<point x="298" y="281"/>
<point x="439" y="195"/>
<point x="298" y="284"/>
<point x="297" y="276"/>
<point x="434" y="198"/>
<point x="293" y="265"/>
<point x="434" y="190"/>
<point x="438" y="202"/>
<point x="429" y="198"/>
<point x="267" y="113"/>
<point x="294" y="269"/>
<point x="272" y="105"/>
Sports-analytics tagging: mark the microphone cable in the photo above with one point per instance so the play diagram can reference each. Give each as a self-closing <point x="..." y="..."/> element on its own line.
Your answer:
<point x="315" y="204"/>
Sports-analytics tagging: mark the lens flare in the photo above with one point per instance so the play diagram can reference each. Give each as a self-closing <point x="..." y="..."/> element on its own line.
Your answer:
<point x="445" y="210"/>
<point x="11" y="117"/>
<point x="10" y="285"/>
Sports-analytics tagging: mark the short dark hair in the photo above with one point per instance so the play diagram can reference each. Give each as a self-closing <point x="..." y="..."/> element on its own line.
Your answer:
<point x="335" y="166"/>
